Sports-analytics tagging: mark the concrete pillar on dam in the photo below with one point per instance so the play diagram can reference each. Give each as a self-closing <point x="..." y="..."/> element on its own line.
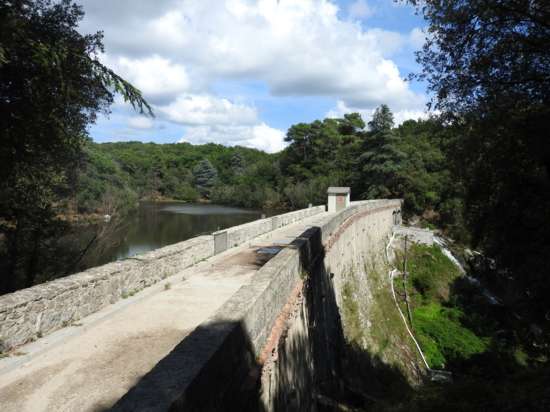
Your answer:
<point x="338" y="198"/>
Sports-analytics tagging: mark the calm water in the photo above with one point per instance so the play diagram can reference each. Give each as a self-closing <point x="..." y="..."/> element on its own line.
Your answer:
<point x="158" y="224"/>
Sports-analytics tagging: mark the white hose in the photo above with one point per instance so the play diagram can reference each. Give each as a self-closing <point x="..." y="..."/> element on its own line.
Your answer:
<point x="391" y="275"/>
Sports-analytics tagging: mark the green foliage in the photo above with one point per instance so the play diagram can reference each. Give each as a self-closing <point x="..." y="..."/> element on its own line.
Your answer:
<point x="238" y="164"/>
<point x="489" y="71"/>
<point x="430" y="272"/>
<point x="227" y="175"/>
<point x="381" y="164"/>
<point x="443" y="336"/>
<point x="439" y="324"/>
<point x="408" y="162"/>
<point x="102" y="185"/>
<point x="205" y="177"/>
<point x="51" y="89"/>
<point x="382" y="119"/>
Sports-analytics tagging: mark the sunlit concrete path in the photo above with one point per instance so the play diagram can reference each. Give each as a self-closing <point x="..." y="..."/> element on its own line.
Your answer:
<point x="88" y="366"/>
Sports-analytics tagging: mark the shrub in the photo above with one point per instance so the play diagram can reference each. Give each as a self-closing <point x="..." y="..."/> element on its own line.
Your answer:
<point x="443" y="337"/>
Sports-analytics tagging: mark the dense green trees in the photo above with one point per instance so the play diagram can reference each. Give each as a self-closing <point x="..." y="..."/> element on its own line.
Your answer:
<point x="498" y="104"/>
<point x="409" y="162"/>
<point x="238" y="176"/>
<point x="51" y="87"/>
<point x="206" y="176"/>
<point x="381" y="161"/>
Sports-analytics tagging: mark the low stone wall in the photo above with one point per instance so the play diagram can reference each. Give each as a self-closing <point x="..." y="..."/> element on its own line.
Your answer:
<point x="292" y="217"/>
<point x="217" y="367"/>
<point x="237" y="235"/>
<point x="39" y="310"/>
<point x="33" y="312"/>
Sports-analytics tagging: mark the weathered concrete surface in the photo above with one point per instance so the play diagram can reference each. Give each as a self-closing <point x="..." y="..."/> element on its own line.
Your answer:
<point x="98" y="362"/>
<point x="37" y="311"/>
<point x="307" y="358"/>
<point x="217" y="366"/>
<point x="414" y="234"/>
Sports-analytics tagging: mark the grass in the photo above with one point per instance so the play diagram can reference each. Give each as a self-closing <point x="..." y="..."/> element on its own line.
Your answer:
<point x="438" y="325"/>
<point x="371" y="320"/>
<point x="350" y="309"/>
<point x="459" y="331"/>
<point x="126" y="294"/>
<point x="443" y="337"/>
<point x="430" y="272"/>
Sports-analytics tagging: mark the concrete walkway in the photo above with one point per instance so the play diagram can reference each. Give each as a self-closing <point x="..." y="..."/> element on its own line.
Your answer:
<point x="90" y="365"/>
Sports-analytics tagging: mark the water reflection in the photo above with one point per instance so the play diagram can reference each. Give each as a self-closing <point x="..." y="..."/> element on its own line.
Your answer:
<point x="158" y="224"/>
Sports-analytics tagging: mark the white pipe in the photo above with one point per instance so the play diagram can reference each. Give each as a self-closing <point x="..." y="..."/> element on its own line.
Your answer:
<point x="392" y="274"/>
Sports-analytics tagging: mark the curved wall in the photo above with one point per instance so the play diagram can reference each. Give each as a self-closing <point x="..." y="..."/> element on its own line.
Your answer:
<point x="278" y="337"/>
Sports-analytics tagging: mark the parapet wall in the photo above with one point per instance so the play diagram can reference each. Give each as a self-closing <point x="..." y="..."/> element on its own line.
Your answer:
<point x="275" y="326"/>
<point x="33" y="312"/>
<point x="237" y="235"/>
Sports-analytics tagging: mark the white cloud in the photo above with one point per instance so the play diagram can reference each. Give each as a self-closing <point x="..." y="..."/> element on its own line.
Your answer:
<point x="297" y="47"/>
<point x="399" y="116"/>
<point x="259" y="136"/>
<point x="157" y="77"/>
<point x="417" y="38"/>
<point x="359" y="9"/>
<point x="178" y="52"/>
<point x="140" y="122"/>
<point x="205" y="109"/>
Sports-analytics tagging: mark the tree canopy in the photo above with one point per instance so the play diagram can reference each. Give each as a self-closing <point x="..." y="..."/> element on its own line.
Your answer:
<point x="52" y="87"/>
<point x="488" y="65"/>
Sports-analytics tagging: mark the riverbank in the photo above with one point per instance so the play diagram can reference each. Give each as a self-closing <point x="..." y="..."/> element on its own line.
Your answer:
<point x="91" y="241"/>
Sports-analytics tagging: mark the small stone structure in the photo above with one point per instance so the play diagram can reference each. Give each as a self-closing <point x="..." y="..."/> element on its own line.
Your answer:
<point x="338" y="198"/>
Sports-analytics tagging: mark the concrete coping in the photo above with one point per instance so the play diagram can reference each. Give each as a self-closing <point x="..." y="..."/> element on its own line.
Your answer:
<point x="335" y="190"/>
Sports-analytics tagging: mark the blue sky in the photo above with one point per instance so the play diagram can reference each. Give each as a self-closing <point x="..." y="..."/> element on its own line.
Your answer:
<point x="242" y="71"/>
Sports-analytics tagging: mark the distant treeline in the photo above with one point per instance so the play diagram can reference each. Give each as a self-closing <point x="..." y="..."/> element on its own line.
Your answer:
<point x="376" y="161"/>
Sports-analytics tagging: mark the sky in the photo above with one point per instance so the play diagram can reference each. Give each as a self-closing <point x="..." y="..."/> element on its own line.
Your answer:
<point x="241" y="72"/>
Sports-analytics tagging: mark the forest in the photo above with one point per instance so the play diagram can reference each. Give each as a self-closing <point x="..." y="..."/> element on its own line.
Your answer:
<point x="376" y="161"/>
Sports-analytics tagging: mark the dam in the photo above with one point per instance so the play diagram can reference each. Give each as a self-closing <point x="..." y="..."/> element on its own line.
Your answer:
<point x="248" y="318"/>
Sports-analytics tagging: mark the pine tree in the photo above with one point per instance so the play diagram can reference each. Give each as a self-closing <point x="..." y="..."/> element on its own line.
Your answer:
<point x="238" y="164"/>
<point x="382" y="119"/>
<point x="206" y="177"/>
<point x="381" y="160"/>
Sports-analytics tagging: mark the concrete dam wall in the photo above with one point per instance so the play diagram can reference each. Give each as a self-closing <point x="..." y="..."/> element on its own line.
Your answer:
<point x="277" y="340"/>
<point x="251" y="318"/>
<point x="42" y="309"/>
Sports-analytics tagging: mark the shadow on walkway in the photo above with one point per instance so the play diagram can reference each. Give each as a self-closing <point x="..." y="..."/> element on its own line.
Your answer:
<point x="215" y="368"/>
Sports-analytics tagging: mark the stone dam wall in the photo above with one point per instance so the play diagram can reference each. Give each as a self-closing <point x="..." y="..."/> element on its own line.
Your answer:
<point x="37" y="311"/>
<point x="278" y="339"/>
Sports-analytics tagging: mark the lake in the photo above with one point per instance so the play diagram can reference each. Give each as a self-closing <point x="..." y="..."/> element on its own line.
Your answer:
<point x="158" y="224"/>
